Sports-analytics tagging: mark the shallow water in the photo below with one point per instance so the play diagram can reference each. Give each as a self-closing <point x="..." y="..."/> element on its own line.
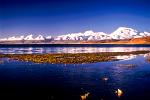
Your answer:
<point x="70" y="81"/>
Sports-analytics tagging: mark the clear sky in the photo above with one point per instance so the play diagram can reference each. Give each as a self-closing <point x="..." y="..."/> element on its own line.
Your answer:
<point x="55" y="17"/>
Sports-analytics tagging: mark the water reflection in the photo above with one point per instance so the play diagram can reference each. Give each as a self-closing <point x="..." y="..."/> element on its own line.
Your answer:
<point x="41" y="50"/>
<point x="127" y="65"/>
<point x="85" y="96"/>
<point x="147" y="56"/>
<point x="119" y="92"/>
<point x="126" y="57"/>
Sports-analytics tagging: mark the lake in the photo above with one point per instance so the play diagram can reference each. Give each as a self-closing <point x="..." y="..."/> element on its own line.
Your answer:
<point x="28" y="80"/>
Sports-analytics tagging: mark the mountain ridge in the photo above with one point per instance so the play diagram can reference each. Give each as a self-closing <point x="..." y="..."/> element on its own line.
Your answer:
<point x="121" y="34"/>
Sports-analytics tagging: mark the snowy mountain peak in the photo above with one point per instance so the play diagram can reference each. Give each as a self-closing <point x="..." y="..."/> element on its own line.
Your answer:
<point x="29" y="37"/>
<point x="89" y="32"/>
<point x="15" y="38"/>
<point x="124" y="33"/>
<point x="124" y="30"/>
<point x="39" y="37"/>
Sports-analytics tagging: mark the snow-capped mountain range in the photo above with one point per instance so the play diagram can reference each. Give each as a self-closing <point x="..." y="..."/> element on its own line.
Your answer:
<point x="120" y="34"/>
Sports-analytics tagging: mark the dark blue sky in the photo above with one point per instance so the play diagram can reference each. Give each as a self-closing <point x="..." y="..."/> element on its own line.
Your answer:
<point x="54" y="17"/>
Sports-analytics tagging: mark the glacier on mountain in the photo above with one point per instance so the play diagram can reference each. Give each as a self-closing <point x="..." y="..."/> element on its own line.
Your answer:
<point x="119" y="34"/>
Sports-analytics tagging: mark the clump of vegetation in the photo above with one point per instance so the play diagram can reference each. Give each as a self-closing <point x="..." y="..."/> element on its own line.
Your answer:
<point x="68" y="58"/>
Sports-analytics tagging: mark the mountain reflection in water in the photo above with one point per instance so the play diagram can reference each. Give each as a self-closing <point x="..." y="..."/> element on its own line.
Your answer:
<point x="40" y="50"/>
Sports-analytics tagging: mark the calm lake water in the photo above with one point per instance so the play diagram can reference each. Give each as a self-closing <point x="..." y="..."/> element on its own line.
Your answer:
<point x="42" y="50"/>
<point x="69" y="81"/>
